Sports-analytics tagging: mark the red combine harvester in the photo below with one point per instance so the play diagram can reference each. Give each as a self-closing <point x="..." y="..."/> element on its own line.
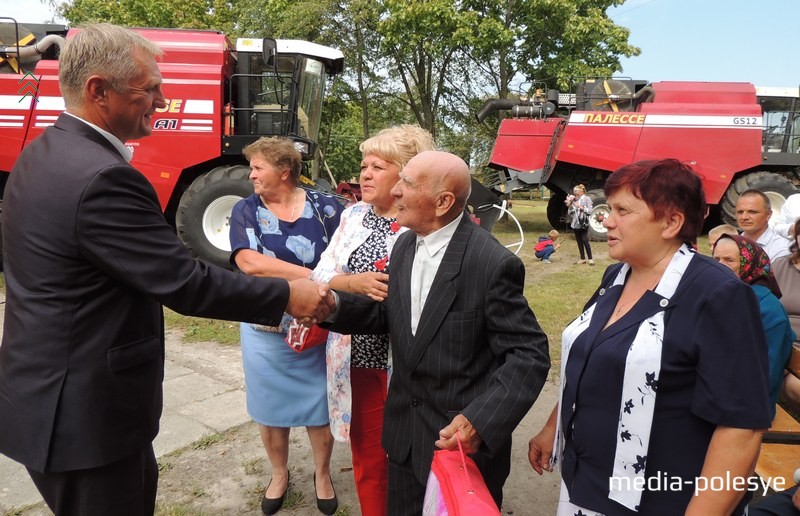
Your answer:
<point x="219" y="99"/>
<point x="735" y="135"/>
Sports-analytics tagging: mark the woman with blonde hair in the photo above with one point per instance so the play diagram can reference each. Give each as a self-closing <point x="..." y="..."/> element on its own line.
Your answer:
<point x="580" y="207"/>
<point x="358" y="260"/>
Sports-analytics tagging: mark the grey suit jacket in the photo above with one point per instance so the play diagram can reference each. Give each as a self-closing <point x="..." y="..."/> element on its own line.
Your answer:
<point x="478" y="349"/>
<point x="89" y="260"/>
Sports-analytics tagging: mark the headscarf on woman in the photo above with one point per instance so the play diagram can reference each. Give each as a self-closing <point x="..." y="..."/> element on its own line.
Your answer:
<point x="754" y="268"/>
<point x="754" y="265"/>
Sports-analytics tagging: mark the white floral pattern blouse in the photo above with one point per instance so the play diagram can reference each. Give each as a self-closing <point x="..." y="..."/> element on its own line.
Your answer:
<point x="350" y="234"/>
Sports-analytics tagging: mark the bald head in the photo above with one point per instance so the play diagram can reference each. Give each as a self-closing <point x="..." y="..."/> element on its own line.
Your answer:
<point x="432" y="191"/>
<point x="446" y="172"/>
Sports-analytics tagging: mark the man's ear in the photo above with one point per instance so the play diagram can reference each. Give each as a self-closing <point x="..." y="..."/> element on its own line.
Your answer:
<point x="444" y="201"/>
<point x="96" y="90"/>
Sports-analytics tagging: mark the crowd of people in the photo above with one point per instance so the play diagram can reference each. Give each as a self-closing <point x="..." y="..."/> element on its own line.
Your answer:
<point x="672" y="369"/>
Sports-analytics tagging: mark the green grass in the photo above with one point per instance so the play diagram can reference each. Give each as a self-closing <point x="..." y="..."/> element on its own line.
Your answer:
<point x="294" y="500"/>
<point x="555" y="297"/>
<point x="206" y="441"/>
<point x="176" y="510"/>
<point x="254" y="466"/>
<point x="196" y="329"/>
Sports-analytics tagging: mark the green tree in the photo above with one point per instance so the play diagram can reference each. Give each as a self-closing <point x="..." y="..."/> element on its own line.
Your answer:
<point x="187" y="14"/>
<point x="421" y="38"/>
<point x="287" y="19"/>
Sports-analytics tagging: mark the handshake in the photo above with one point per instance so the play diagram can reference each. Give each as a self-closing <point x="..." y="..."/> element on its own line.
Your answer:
<point x="569" y="200"/>
<point x="310" y="302"/>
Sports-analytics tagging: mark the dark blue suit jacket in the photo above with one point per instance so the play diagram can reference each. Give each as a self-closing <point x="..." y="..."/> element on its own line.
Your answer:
<point x="713" y="373"/>
<point x="89" y="261"/>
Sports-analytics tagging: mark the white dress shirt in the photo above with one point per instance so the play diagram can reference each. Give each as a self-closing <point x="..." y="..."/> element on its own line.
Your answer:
<point x="427" y="258"/>
<point x="773" y="244"/>
<point x="790" y="212"/>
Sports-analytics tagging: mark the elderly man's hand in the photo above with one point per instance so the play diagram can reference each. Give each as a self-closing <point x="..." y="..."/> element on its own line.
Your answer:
<point x="470" y="440"/>
<point x="309" y="302"/>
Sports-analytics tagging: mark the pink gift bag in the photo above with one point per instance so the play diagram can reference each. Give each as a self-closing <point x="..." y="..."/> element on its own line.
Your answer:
<point x="456" y="487"/>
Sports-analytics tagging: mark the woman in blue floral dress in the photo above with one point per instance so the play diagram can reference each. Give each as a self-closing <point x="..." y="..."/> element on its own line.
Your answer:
<point x="281" y="230"/>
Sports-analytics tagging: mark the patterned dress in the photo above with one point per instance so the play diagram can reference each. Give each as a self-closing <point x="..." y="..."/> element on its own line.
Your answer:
<point x="371" y="351"/>
<point x="358" y="225"/>
<point x="283" y="388"/>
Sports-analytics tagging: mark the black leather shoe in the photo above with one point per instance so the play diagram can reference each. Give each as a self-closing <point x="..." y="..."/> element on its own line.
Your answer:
<point x="326" y="505"/>
<point x="272" y="505"/>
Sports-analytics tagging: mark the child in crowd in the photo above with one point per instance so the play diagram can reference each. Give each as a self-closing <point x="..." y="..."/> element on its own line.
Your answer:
<point x="546" y="246"/>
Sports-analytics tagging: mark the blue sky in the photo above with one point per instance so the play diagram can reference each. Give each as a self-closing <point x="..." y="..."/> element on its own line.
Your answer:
<point x="693" y="40"/>
<point x="713" y="40"/>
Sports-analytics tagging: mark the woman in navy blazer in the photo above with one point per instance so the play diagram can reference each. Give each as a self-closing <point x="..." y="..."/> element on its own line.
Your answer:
<point x="654" y="416"/>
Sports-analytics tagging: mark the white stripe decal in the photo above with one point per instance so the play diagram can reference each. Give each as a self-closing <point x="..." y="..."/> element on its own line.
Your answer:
<point x="198" y="107"/>
<point x="15" y="102"/>
<point x="10" y="124"/>
<point x="625" y="119"/>
<point x="702" y="120"/>
<point x="43" y="124"/>
<point x="195" y="128"/>
<point x="650" y="126"/>
<point x="50" y="104"/>
<point x="197" y="121"/>
<point x="12" y="117"/>
<point x="204" y="82"/>
<point x="44" y="118"/>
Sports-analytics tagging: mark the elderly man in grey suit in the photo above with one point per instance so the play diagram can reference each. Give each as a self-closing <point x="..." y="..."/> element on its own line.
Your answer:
<point x="469" y="358"/>
<point x="89" y="261"/>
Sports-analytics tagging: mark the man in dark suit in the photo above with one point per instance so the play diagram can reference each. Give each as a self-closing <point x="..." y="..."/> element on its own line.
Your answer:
<point x="89" y="261"/>
<point x="468" y="354"/>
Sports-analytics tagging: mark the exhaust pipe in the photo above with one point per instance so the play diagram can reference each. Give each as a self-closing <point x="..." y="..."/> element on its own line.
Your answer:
<point x="34" y="50"/>
<point x="492" y="105"/>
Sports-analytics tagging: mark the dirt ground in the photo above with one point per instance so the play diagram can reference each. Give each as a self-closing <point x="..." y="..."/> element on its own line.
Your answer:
<point x="228" y="476"/>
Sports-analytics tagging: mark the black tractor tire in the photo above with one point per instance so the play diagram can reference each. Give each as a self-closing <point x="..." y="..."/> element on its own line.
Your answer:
<point x="203" y="216"/>
<point x="597" y="232"/>
<point x="776" y="186"/>
<point x="557" y="211"/>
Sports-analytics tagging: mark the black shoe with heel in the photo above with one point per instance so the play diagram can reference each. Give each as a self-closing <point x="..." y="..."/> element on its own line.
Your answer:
<point x="326" y="505"/>
<point x="272" y="505"/>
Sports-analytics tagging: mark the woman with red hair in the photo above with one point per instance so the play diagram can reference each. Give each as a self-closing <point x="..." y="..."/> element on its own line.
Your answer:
<point x="653" y="409"/>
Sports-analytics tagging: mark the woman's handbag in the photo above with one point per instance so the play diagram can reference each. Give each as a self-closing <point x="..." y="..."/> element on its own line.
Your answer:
<point x="301" y="338"/>
<point x="583" y="218"/>
<point x="456" y="487"/>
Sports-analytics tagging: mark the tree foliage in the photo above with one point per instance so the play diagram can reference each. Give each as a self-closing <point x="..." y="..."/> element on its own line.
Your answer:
<point x="184" y="14"/>
<point x="432" y="62"/>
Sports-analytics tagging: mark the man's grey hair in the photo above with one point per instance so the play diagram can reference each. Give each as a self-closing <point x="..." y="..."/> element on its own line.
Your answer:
<point x="101" y="49"/>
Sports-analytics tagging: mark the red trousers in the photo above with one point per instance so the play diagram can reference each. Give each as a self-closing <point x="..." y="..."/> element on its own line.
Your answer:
<point x="370" y="465"/>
